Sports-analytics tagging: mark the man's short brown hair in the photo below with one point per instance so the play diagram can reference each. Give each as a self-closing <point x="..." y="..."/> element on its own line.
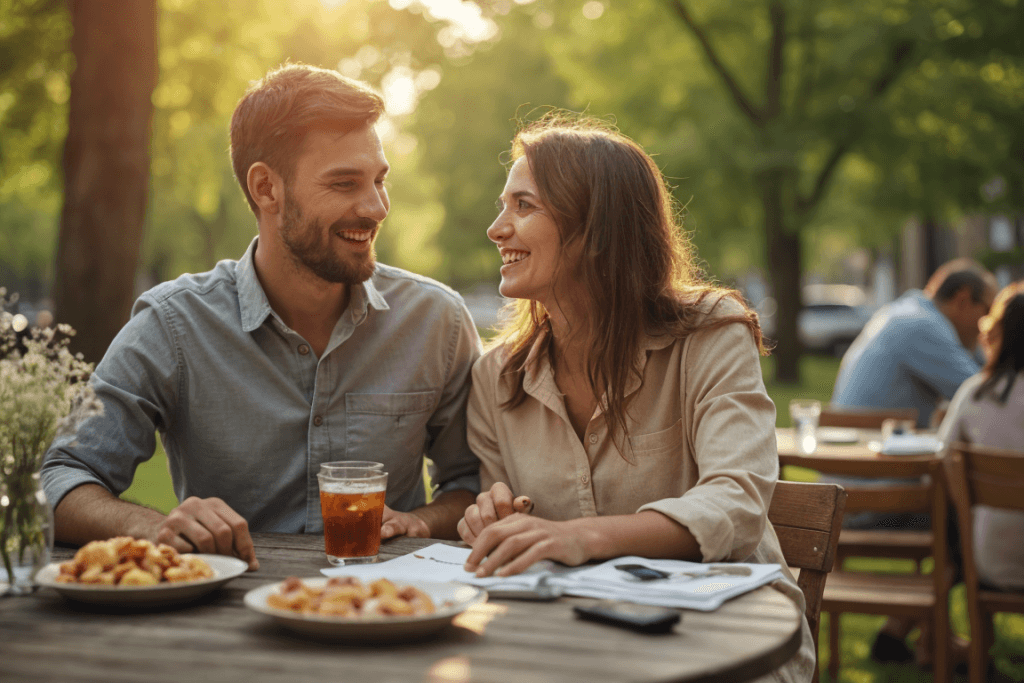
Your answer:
<point x="272" y="118"/>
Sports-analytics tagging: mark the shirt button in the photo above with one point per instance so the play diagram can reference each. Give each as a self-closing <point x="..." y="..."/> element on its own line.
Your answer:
<point x="593" y="438"/>
<point x="585" y="478"/>
<point x="303" y="349"/>
<point x="317" y="421"/>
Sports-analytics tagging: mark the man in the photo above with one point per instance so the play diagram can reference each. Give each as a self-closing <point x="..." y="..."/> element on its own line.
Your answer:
<point x="302" y="352"/>
<point x="916" y="351"/>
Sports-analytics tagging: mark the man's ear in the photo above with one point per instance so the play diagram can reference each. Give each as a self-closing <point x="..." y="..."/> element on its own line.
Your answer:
<point x="266" y="188"/>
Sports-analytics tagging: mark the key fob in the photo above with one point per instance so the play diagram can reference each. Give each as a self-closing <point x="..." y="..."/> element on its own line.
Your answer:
<point x="643" y="618"/>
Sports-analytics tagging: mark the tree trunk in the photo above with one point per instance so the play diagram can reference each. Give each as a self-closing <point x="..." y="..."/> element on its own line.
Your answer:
<point x="106" y="167"/>
<point x="784" y="272"/>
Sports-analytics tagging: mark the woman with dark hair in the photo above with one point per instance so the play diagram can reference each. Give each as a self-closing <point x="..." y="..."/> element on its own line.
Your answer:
<point x="623" y="398"/>
<point x="988" y="409"/>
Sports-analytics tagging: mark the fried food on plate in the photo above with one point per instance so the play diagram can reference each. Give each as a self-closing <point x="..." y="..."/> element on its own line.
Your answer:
<point x="348" y="597"/>
<point x="127" y="561"/>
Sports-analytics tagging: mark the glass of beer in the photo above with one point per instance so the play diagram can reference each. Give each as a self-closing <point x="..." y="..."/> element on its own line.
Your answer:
<point x="352" y="505"/>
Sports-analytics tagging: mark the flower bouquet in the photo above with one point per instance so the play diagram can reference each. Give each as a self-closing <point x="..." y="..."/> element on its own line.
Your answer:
<point x="44" y="392"/>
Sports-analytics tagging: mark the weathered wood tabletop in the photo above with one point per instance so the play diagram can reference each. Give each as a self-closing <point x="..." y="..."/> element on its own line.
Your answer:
<point x="865" y="449"/>
<point x="45" y="638"/>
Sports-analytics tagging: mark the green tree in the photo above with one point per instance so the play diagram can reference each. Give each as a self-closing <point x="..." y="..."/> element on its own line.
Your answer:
<point x="106" y="167"/>
<point x="761" y="107"/>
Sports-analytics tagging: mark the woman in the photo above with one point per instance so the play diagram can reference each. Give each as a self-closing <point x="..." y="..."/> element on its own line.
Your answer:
<point x="988" y="409"/>
<point x="625" y="397"/>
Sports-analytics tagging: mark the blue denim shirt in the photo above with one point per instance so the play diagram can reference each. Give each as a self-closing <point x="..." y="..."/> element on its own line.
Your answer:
<point x="247" y="412"/>
<point x="907" y="356"/>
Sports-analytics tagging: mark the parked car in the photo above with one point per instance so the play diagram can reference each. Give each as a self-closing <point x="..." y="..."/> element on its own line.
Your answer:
<point x="832" y="317"/>
<point x="831" y="328"/>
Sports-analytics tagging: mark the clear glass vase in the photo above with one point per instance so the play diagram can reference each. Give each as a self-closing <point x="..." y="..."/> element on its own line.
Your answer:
<point x="26" y="533"/>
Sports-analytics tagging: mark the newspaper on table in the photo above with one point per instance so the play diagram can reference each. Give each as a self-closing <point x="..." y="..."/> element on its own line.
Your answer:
<point x="689" y="585"/>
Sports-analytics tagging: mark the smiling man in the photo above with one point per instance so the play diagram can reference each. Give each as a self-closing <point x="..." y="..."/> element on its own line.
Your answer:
<point x="304" y="351"/>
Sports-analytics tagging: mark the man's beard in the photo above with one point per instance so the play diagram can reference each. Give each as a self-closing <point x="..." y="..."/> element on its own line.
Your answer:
<point x="305" y="242"/>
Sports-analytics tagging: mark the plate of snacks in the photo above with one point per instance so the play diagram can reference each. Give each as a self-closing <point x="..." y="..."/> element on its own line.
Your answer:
<point x="345" y="608"/>
<point x="136" y="572"/>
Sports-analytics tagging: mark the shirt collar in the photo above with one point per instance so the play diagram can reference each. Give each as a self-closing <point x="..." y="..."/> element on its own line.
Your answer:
<point x="255" y="307"/>
<point x="252" y="300"/>
<point x="366" y="295"/>
<point x="539" y="380"/>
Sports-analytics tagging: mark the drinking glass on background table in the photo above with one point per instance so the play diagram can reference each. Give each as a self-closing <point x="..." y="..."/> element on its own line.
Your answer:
<point x="804" y="414"/>
<point x="352" y="505"/>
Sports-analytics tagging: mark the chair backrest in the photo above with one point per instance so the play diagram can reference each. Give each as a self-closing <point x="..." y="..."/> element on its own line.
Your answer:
<point x="807" y="518"/>
<point x="989" y="476"/>
<point x="980" y="475"/>
<point x="912" y="493"/>
<point x="863" y="418"/>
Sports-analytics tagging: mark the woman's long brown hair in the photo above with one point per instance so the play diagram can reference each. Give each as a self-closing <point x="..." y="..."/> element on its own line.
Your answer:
<point x="1007" y="359"/>
<point x="636" y="273"/>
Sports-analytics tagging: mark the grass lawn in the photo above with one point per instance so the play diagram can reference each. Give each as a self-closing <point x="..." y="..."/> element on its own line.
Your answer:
<point x="152" y="487"/>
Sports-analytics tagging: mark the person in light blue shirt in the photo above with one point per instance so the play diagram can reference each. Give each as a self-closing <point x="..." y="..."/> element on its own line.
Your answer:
<point x="916" y="351"/>
<point x="304" y="351"/>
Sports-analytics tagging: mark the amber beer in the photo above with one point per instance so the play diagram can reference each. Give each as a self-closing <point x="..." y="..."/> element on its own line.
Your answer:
<point x="352" y="505"/>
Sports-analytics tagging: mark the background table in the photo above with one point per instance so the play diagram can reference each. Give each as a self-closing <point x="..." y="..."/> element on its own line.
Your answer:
<point x="847" y="452"/>
<point x="43" y="637"/>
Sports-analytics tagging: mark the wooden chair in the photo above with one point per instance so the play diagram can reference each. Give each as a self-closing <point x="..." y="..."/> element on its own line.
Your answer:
<point x="893" y="544"/>
<point x="908" y="596"/>
<point x="806" y="518"/>
<point x="863" y="418"/>
<point x="978" y="475"/>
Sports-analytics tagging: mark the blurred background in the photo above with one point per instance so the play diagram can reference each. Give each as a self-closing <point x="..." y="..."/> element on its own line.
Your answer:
<point x="828" y="155"/>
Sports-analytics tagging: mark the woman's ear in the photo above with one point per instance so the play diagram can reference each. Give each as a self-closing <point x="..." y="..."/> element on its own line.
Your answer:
<point x="266" y="188"/>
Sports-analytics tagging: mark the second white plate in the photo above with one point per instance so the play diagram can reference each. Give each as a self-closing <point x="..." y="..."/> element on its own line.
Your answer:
<point x="450" y="599"/>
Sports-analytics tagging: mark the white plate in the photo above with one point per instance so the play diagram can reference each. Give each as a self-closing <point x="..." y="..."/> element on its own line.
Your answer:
<point x="450" y="599"/>
<point x="224" y="569"/>
<point x="838" y="435"/>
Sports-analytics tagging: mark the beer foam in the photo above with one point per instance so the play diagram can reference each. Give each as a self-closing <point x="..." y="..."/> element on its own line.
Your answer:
<point x="352" y="487"/>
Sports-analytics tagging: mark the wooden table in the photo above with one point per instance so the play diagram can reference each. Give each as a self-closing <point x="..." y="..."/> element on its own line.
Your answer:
<point x="848" y="453"/>
<point x="45" y="638"/>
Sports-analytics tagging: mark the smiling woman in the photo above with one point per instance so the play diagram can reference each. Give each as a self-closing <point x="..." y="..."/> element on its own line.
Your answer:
<point x="624" y="398"/>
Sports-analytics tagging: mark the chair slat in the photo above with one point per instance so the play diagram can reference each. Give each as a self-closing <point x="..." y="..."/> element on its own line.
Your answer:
<point x="863" y="418"/>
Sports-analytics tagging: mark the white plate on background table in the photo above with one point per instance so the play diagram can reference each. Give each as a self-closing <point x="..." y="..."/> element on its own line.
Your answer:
<point x="161" y="595"/>
<point x="450" y="600"/>
<point x="838" y="435"/>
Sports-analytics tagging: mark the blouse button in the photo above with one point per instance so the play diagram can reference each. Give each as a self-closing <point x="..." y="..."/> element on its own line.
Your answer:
<point x="317" y="421"/>
<point x="303" y="349"/>
<point x="593" y="438"/>
<point x="585" y="478"/>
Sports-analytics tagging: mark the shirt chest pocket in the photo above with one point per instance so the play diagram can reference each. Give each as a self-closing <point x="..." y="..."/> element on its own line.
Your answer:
<point x="382" y="425"/>
<point x="657" y="462"/>
<point x="656" y="442"/>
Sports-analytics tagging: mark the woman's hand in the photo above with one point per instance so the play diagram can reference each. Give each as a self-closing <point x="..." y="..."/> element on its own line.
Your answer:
<point x="491" y="506"/>
<point x="516" y="542"/>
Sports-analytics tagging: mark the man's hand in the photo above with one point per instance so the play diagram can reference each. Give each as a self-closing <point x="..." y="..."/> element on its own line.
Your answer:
<point x="491" y="506"/>
<point x="396" y="523"/>
<point x="207" y="525"/>
<point x="512" y="544"/>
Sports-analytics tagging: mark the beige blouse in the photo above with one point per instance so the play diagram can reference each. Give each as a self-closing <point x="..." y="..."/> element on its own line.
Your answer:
<point x="701" y="449"/>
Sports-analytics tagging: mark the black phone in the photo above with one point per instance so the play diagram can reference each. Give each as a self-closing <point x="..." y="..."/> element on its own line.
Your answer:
<point x="643" y="618"/>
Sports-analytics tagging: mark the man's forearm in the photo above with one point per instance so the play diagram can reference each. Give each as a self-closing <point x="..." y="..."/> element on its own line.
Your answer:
<point x="442" y="514"/>
<point x="90" y="512"/>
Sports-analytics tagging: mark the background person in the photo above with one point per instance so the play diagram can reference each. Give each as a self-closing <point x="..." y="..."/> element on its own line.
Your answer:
<point x="916" y="351"/>
<point x="625" y="397"/>
<point x="302" y="352"/>
<point x="988" y="410"/>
